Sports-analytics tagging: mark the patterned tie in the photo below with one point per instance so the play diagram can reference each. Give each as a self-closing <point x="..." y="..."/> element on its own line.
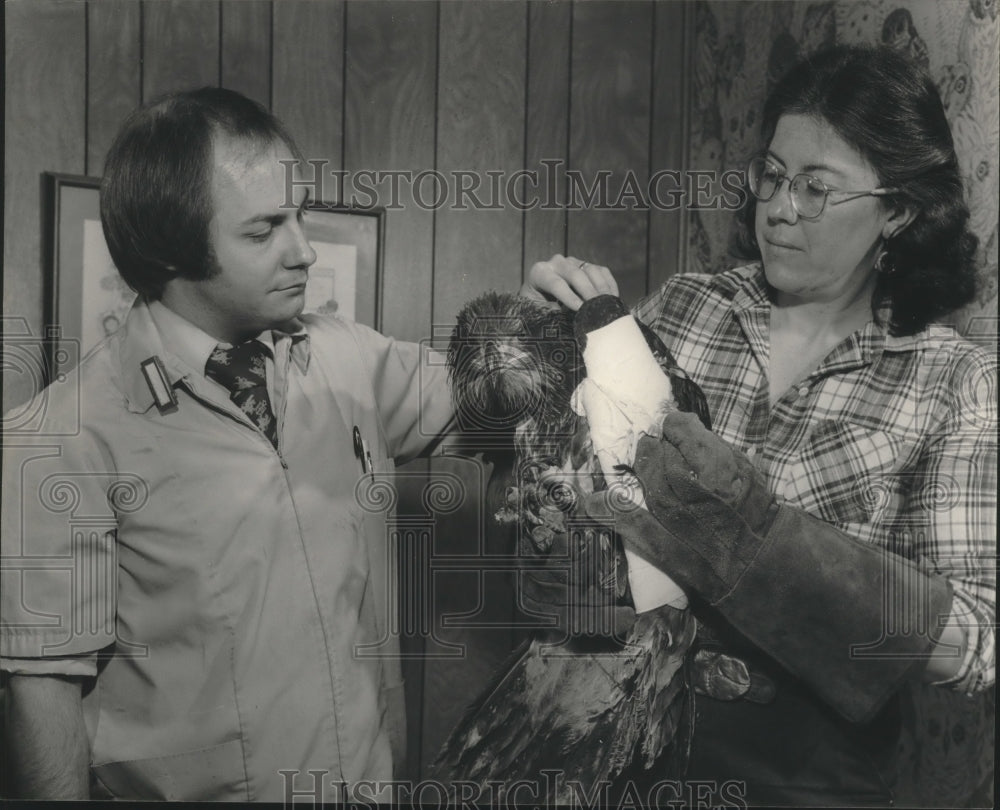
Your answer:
<point x="241" y="370"/>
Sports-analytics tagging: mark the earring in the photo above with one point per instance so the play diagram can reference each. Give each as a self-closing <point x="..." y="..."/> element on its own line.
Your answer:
<point x="883" y="264"/>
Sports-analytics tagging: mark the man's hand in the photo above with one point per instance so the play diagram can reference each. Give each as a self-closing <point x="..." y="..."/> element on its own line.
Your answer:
<point x="568" y="280"/>
<point x="46" y="739"/>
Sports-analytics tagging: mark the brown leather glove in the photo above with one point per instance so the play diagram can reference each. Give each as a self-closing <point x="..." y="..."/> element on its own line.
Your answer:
<point x="809" y="595"/>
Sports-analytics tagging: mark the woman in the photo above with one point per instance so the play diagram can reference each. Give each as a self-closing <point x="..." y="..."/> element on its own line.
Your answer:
<point x="841" y="414"/>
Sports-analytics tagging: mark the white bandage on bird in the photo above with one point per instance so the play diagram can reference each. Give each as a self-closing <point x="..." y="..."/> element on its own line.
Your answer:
<point x="624" y="396"/>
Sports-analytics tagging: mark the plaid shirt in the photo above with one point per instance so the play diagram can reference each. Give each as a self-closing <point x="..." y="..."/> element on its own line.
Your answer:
<point x="891" y="439"/>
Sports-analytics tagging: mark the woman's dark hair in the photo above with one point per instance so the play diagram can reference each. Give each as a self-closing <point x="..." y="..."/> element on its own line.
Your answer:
<point x="156" y="202"/>
<point x="888" y="109"/>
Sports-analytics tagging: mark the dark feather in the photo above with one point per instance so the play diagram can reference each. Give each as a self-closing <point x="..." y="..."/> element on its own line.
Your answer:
<point x="586" y="716"/>
<point x="687" y="395"/>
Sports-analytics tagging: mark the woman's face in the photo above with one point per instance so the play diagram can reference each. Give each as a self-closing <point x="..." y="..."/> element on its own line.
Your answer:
<point x="829" y="259"/>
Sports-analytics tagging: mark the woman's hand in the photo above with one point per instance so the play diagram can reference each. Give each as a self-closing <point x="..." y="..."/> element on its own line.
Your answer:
<point x="568" y="280"/>
<point x="805" y="592"/>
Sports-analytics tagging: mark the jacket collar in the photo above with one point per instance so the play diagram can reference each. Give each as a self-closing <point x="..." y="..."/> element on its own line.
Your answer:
<point x="144" y="336"/>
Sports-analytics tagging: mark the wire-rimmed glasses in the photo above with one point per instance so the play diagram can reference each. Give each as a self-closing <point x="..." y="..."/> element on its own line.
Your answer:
<point x="808" y="194"/>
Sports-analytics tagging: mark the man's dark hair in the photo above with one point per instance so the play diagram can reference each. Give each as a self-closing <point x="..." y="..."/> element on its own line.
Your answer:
<point x="888" y="109"/>
<point x="156" y="201"/>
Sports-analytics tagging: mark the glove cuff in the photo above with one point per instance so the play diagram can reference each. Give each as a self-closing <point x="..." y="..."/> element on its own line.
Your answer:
<point x="848" y="618"/>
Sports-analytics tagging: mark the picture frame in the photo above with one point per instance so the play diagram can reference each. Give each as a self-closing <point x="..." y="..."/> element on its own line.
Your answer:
<point x="86" y="299"/>
<point x="347" y="275"/>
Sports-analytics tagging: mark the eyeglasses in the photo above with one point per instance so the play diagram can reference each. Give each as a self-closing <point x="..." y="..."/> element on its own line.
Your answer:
<point x="809" y="194"/>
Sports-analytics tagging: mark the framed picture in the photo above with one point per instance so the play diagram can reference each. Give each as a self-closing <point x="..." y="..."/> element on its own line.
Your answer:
<point x="87" y="299"/>
<point x="347" y="275"/>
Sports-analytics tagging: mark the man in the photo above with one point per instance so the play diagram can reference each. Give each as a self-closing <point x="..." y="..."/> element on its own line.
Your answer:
<point x="221" y="615"/>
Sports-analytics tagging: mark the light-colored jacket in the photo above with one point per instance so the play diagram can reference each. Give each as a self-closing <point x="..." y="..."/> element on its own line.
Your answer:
<point x="238" y="596"/>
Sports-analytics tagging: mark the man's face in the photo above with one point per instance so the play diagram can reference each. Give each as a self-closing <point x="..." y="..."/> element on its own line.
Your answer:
<point x="259" y="250"/>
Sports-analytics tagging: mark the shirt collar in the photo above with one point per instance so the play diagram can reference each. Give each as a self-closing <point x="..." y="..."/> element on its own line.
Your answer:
<point x="751" y="305"/>
<point x="154" y="330"/>
<point x="752" y="292"/>
<point x="295" y="331"/>
<point x="868" y="344"/>
<point x="187" y="343"/>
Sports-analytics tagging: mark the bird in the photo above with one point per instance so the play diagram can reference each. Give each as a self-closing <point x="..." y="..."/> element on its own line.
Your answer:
<point x="591" y="709"/>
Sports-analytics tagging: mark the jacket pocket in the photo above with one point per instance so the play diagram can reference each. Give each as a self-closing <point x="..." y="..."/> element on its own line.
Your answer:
<point x="215" y="773"/>
<point x="845" y="473"/>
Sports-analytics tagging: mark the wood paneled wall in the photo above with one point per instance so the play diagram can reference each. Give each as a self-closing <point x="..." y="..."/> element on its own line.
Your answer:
<point x="478" y="86"/>
<point x="489" y="85"/>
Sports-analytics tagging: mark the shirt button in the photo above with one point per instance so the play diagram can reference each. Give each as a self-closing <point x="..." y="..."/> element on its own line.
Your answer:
<point x="804" y="391"/>
<point x="751" y="452"/>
